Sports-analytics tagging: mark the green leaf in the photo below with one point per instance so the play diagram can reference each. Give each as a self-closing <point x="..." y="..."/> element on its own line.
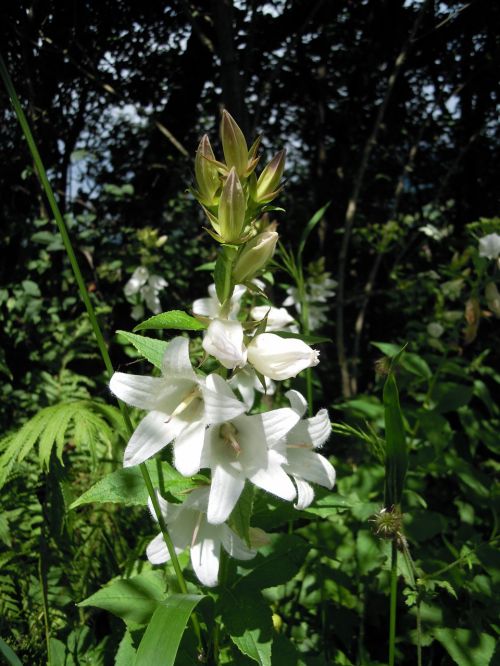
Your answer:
<point x="466" y="647"/>
<point x="450" y="396"/>
<point x="275" y="564"/>
<point x="152" y="350"/>
<point x="247" y="618"/>
<point x="220" y="276"/>
<point x="126" y="486"/>
<point x="177" y="319"/>
<point x="242" y="512"/>
<point x="396" y="460"/>
<point x="317" y="217"/>
<point x="131" y="599"/>
<point x="165" y="630"/>
<point x="308" y="339"/>
<point x="8" y="654"/>
<point x="126" y="653"/>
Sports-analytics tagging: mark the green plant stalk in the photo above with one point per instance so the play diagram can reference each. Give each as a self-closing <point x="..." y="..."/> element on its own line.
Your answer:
<point x="42" y="174"/>
<point x="223" y="570"/>
<point x="304" y="316"/>
<point x="393" y="599"/>
<point x="45" y="598"/>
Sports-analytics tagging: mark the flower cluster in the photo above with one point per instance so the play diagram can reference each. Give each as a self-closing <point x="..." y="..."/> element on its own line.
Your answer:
<point x="206" y="418"/>
<point x="144" y="288"/>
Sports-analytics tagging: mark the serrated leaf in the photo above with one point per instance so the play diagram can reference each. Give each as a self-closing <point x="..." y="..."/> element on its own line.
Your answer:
<point x="247" y="618"/>
<point x="165" y="629"/>
<point x="153" y="350"/>
<point x="126" y="486"/>
<point x="174" y="319"/>
<point x="134" y="600"/>
<point x="275" y="564"/>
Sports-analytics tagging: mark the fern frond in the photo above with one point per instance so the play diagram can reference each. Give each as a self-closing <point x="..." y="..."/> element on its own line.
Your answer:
<point x="83" y="421"/>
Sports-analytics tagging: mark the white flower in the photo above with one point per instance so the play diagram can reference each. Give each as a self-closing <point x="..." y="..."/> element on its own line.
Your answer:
<point x="224" y="340"/>
<point x="247" y="382"/>
<point x="210" y="307"/>
<point x="145" y="287"/>
<point x="181" y="405"/>
<point x="280" y="358"/>
<point x="187" y="526"/>
<point x="278" y="319"/>
<point x="434" y="329"/>
<point x="302" y="462"/>
<point x="489" y="246"/>
<point x="240" y="449"/>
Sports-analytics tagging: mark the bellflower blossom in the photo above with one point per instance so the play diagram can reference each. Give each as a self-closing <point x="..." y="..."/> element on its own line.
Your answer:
<point x="303" y="463"/>
<point x="278" y="319"/>
<point x="188" y="526"/>
<point x="224" y="340"/>
<point x="489" y="246"/>
<point x="210" y="307"/>
<point x="247" y="382"/>
<point x="280" y="358"/>
<point x="240" y="449"/>
<point x="145" y="287"/>
<point x="181" y="405"/>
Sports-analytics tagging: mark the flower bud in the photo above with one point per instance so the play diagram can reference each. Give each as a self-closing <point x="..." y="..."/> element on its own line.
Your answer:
<point x="224" y="340"/>
<point x="207" y="177"/>
<point x="233" y="144"/>
<point x="269" y="180"/>
<point x="280" y="358"/>
<point x="255" y="255"/>
<point x="277" y="318"/>
<point x="232" y="208"/>
<point x="492" y="298"/>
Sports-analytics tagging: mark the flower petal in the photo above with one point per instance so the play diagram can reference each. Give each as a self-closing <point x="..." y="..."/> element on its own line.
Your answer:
<point x="150" y="436"/>
<point x="235" y="546"/>
<point x="157" y="551"/>
<point x="137" y="390"/>
<point x="167" y="509"/>
<point x="227" y="486"/>
<point x="188" y="447"/>
<point x="224" y="340"/>
<point x="274" y="479"/>
<point x="297" y="402"/>
<point x="277" y="423"/>
<point x="220" y="402"/>
<point x="319" y="428"/>
<point x="176" y="359"/>
<point x="311" y="466"/>
<point x="205" y="555"/>
<point x="305" y="493"/>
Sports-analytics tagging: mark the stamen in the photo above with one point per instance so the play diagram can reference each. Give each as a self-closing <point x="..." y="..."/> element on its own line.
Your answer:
<point x="228" y="433"/>
<point x="194" y="394"/>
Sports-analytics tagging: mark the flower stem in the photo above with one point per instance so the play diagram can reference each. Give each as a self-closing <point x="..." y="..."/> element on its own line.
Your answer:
<point x="393" y="598"/>
<point x="42" y="174"/>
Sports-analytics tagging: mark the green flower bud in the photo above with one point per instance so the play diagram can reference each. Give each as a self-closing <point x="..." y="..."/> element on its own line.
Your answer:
<point x="207" y="177"/>
<point x="255" y="256"/>
<point x="233" y="144"/>
<point x="232" y="208"/>
<point x="269" y="179"/>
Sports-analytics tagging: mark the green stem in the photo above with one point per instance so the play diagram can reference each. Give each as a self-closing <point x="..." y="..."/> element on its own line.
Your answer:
<point x="392" y="608"/>
<point x="304" y="317"/>
<point x="42" y="575"/>
<point x="223" y="569"/>
<point x="42" y="174"/>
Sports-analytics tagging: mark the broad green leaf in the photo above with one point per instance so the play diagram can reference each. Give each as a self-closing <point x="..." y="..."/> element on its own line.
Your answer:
<point x="466" y="647"/>
<point x="396" y="460"/>
<point x="242" y="512"/>
<point x="367" y="551"/>
<point x="126" y="486"/>
<point x="165" y="630"/>
<point x="409" y="361"/>
<point x="176" y="319"/>
<point x="247" y="618"/>
<point x="275" y="564"/>
<point x="308" y="339"/>
<point x="132" y="599"/>
<point x="8" y="654"/>
<point x="317" y="217"/>
<point x="449" y="396"/>
<point x="152" y="350"/>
